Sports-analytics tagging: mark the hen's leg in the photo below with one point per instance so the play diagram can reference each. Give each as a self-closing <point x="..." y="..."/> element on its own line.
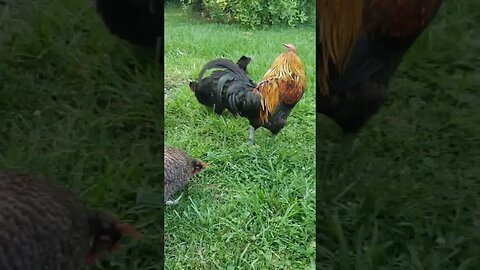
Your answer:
<point x="174" y="202"/>
<point x="252" y="132"/>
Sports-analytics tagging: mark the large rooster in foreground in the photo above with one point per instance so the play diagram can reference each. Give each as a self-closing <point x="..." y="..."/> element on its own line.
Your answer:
<point x="267" y="103"/>
<point x="360" y="43"/>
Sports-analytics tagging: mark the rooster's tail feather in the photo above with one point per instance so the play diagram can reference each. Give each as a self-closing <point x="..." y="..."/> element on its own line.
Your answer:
<point x="229" y="87"/>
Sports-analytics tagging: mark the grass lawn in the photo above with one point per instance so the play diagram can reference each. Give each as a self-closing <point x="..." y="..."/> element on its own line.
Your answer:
<point x="405" y="193"/>
<point x="254" y="207"/>
<point x="83" y="108"/>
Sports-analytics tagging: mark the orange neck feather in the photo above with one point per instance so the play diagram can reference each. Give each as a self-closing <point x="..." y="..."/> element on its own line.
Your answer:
<point x="339" y="23"/>
<point x="287" y="68"/>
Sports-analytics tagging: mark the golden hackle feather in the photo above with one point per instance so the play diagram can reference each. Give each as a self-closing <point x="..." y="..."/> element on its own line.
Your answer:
<point x="339" y="24"/>
<point x="285" y="69"/>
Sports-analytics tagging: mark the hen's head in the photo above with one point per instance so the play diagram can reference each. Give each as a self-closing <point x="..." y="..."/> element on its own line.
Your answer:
<point x="107" y="232"/>
<point x="198" y="166"/>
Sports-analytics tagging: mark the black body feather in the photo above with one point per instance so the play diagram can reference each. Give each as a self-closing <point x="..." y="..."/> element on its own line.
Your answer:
<point x="358" y="93"/>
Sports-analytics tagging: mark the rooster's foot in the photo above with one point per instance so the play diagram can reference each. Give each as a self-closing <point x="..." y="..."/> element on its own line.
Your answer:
<point x="252" y="133"/>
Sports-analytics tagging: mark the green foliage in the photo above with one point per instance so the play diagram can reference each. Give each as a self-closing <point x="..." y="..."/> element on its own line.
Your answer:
<point x="255" y="13"/>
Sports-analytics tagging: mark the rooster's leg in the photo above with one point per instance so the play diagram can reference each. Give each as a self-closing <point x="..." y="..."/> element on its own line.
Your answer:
<point x="252" y="133"/>
<point x="174" y="202"/>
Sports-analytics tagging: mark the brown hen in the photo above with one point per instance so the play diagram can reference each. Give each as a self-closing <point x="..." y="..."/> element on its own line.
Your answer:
<point x="178" y="168"/>
<point x="44" y="226"/>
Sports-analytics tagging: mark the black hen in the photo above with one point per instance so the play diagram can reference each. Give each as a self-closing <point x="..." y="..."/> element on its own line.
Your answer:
<point x="136" y="21"/>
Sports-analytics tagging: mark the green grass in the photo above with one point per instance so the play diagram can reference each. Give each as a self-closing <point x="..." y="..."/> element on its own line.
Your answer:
<point x="405" y="193"/>
<point x="83" y="108"/>
<point x="254" y="207"/>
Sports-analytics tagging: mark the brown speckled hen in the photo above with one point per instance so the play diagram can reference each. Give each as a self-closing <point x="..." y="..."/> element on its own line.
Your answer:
<point x="44" y="226"/>
<point x="178" y="168"/>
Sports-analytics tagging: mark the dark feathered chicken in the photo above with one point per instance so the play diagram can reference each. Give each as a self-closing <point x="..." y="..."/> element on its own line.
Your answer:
<point x="178" y="168"/>
<point x="360" y="45"/>
<point x="45" y="227"/>
<point x="267" y="104"/>
<point x="233" y="77"/>
<point x="136" y="21"/>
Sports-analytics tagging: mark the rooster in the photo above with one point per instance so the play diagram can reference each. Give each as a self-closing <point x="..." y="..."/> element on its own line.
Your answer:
<point x="361" y="44"/>
<point x="47" y="227"/>
<point x="266" y="104"/>
<point x="136" y="21"/>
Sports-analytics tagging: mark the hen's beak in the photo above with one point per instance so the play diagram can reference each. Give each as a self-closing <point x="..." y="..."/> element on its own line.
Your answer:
<point x="204" y="165"/>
